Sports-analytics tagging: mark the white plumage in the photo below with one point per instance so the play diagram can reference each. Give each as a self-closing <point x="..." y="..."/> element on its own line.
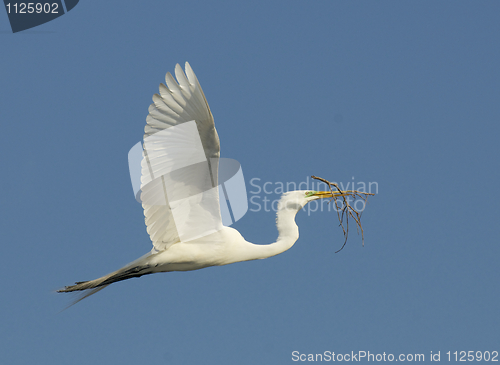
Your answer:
<point x="180" y="198"/>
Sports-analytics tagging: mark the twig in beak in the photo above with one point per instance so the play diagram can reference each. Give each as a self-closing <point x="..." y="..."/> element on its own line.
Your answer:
<point x="351" y="212"/>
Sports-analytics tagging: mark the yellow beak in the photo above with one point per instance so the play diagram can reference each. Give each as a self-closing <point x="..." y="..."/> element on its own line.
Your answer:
<point x="328" y="194"/>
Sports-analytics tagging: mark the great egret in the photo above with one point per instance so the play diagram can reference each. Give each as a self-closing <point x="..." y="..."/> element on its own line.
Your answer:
<point x="174" y="249"/>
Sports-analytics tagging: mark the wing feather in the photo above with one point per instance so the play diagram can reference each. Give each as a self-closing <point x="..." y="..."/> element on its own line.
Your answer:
<point x="179" y="102"/>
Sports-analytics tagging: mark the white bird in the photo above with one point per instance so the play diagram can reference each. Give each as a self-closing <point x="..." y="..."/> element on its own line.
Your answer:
<point x="175" y="246"/>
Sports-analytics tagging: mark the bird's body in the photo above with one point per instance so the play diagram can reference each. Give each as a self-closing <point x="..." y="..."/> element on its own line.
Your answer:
<point x="223" y="247"/>
<point x="187" y="233"/>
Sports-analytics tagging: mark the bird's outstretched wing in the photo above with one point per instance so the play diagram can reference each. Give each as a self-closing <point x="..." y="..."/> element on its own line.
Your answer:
<point x="179" y="169"/>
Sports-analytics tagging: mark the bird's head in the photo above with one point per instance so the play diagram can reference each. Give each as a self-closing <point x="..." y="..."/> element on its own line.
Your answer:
<point x="299" y="198"/>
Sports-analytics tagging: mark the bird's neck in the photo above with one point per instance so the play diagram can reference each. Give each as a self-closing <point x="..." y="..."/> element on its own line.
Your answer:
<point x="288" y="233"/>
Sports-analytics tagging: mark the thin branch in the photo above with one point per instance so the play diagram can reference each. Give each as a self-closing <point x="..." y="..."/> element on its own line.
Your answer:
<point x="347" y="210"/>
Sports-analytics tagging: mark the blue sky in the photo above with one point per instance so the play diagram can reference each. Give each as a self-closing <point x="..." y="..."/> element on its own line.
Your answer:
<point x="404" y="94"/>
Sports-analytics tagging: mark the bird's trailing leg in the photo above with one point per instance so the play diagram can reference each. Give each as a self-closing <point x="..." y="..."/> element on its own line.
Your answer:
<point x="347" y="210"/>
<point x="119" y="275"/>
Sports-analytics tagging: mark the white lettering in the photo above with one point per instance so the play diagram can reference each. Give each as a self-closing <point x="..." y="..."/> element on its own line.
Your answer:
<point x="257" y="186"/>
